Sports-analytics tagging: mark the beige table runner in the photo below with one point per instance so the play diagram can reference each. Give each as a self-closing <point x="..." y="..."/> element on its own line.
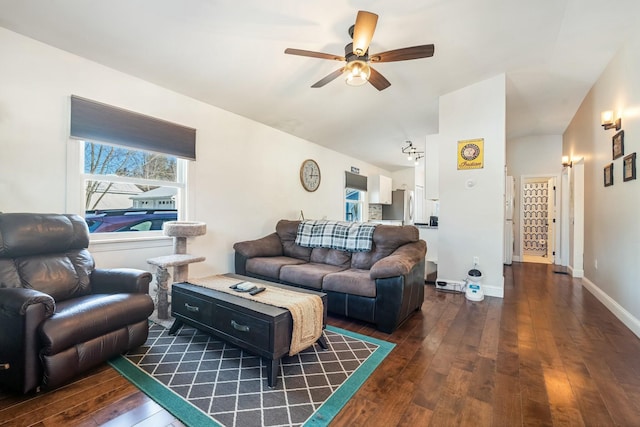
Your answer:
<point x="306" y="309"/>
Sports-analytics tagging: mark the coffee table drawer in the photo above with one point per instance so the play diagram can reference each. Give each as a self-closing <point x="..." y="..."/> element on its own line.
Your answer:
<point x="247" y="328"/>
<point x="192" y="307"/>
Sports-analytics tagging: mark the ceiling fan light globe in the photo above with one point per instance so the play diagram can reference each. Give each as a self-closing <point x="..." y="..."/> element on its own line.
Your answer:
<point x="358" y="73"/>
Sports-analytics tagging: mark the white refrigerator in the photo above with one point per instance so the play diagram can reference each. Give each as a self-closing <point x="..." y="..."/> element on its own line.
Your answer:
<point x="509" y="194"/>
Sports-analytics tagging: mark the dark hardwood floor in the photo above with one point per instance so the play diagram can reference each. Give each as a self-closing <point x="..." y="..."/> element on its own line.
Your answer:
<point x="548" y="354"/>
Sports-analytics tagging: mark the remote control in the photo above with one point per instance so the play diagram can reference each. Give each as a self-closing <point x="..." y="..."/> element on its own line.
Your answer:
<point x="243" y="287"/>
<point x="256" y="291"/>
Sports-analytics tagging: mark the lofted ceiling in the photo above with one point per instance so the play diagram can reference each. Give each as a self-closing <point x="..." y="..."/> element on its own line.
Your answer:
<point x="231" y="54"/>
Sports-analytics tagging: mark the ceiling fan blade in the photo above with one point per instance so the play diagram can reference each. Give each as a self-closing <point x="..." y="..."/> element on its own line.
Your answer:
<point x="328" y="78"/>
<point x="313" y="54"/>
<point x="377" y="80"/>
<point x="404" y="54"/>
<point x="363" y="31"/>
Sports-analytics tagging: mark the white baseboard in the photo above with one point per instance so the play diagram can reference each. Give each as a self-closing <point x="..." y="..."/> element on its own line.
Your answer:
<point x="623" y="315"/>
<point x="575" y="272"/>
<point x="515" y="258"/>
<point x="488" y="290"/>
<point x="493" y="291"/>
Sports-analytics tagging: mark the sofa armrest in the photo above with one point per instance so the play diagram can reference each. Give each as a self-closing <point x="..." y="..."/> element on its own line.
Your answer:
<point x="120" y="280"/>
<point x="267" y="246"/>
<point x="22" y="311"/>
<point x="16" y="301"/>
<point x="400" y="262"/>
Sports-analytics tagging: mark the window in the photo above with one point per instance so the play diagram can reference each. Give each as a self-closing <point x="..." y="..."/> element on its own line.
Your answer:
<point x="129" y="190"/>
<point x="354" y="203"/>
<point x="355" y="187"/>
<point x="132" y="168"/>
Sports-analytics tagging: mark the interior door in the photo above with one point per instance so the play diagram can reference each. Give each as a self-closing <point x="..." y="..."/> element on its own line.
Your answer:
<point x="551" y="222"/>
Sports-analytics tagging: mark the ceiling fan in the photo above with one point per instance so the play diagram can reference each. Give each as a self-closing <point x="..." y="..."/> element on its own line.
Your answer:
<point x="356" y="55"/>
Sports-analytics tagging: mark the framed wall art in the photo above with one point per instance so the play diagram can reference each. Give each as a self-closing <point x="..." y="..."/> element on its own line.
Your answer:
<point x="608" y="175"/>
<point x="617" y="144"/>
<point x="629" y="167"/>
<point x="471" y="154"/>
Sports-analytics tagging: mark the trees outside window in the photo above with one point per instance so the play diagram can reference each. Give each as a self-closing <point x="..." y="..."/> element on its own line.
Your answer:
<point x="124" y="187"/>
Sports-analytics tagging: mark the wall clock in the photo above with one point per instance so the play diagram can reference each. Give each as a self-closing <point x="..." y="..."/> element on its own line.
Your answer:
<point x="310" y="175"/>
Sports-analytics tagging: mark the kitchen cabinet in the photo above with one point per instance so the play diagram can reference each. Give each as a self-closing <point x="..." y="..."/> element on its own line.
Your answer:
<point x="380" y="189"/>
<point x="431" y="187"/>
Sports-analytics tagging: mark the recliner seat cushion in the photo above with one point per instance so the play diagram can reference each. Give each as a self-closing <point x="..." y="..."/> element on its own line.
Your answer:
<point x="353" y="281"/>
<point x="309" y="275"/>
<point x="270" y="266"/>
<point x="81" y="319"/>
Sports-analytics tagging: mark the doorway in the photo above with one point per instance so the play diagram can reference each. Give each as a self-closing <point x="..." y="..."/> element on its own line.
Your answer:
<point x="538" y="211"/>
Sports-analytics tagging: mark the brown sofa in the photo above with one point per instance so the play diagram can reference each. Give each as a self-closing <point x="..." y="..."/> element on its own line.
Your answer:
<point x="382" y="286"/>
<point x="59" y="316"/>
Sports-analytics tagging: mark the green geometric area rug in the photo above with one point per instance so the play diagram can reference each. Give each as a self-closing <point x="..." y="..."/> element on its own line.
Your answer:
<point x="204" y="381"/>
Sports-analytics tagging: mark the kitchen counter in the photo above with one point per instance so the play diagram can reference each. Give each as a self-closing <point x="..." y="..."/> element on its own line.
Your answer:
<point x="424" y="225"/>
<point x="386" y="221"/>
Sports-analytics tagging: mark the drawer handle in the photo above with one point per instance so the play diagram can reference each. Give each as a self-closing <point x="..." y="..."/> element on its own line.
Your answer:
<point x="239" y="327"/>
<point x="191" y="308"/>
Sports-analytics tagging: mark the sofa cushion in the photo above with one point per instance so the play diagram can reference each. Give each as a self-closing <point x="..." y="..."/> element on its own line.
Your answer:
<point x="267" y="246"/>
<point x="386" y="239"/>
<point x="270" y="266"/>
<point x="32" y="234"/>
<point x="331" y="257"/>
<point x="353" y="281"/>
<point x="287" y="231"/>
<point x="63" y="275"/>
<point x="81" y="319"/>
<point x="309" y="275"/>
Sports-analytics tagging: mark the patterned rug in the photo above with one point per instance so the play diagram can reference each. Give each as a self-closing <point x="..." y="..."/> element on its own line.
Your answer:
<point x="204" y="381"/>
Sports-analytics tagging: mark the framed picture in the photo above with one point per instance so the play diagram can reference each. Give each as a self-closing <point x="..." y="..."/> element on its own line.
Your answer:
<point x="471" y="154"/>
<point x="618" y="145"/>
<point x="629" y="167"/>
<point x="608" y="175"/>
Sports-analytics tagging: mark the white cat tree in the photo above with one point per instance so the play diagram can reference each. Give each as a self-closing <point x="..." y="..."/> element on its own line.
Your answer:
<point x="180" y="260"/>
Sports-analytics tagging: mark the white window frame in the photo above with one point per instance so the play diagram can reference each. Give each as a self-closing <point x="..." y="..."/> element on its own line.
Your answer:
<point x="360" y="202"/>
<point x="75" y="194"/>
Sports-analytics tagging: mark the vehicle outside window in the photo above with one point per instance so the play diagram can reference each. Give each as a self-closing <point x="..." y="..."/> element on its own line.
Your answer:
<point x="129" y="190"/>
<point x="128" y="220"/>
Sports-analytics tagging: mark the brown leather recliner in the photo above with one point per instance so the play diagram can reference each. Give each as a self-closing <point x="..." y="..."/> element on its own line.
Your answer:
<point x="59" y="315"/>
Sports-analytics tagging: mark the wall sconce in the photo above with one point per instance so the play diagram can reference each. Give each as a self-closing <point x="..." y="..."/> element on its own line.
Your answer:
<point x="566" y="162"/>
<point x="607" y="121"/>
<point x="412" y="153"/>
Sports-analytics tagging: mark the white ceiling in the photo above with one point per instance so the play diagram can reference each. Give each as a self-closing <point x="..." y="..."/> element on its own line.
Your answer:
<point x="230" y="54"/>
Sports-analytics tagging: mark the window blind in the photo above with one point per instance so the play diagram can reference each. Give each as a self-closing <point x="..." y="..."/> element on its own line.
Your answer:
<point x="97" y="122"/>
<point x="357" y="182"/>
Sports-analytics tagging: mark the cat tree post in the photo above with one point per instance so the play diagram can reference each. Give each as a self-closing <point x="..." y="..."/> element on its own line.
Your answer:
<point x="180" y="260"/>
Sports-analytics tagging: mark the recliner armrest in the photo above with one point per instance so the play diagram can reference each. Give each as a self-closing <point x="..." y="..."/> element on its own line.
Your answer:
<point x="400" y="262"/>
<point x="120" y="280"/>
<point x="267" y="246"/>
<point x="16" y="301"/>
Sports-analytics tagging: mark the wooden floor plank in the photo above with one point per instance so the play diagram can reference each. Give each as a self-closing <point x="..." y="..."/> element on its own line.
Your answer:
<point x="547" y="354"/>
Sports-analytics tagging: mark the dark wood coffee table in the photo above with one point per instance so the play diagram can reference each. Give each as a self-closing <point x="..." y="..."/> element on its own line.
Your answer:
<point x="259" y="328"/>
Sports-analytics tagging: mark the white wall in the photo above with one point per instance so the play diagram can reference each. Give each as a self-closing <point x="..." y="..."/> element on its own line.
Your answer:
<point x="404" y="179"/>
<point x="246" y="176"/>
<point x="533" y="156"/>
<point x="471" y="219"/>
<point x="611" y="219"/>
